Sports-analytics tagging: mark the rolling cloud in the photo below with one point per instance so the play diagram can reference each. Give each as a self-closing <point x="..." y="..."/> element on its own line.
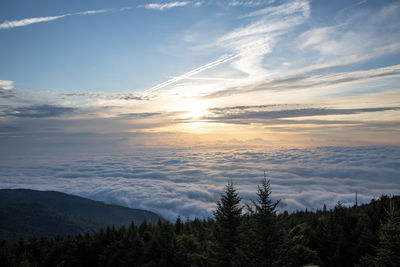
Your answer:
<point x="187" y="182"/>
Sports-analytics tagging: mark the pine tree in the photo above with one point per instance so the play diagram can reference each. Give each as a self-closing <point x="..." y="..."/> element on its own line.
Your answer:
<point x="228" y="218"/>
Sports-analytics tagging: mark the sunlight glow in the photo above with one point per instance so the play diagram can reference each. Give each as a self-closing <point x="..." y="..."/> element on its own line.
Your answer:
<point x="195" y="109"/>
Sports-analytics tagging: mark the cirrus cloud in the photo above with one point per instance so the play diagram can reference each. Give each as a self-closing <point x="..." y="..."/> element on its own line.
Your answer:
<point x="161" y="7"/>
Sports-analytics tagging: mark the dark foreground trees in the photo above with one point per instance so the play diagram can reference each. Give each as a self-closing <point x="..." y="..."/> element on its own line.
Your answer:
<point x="366" y="235"/>
<point x="227" y="225"/>
<point x="267" y="238"/>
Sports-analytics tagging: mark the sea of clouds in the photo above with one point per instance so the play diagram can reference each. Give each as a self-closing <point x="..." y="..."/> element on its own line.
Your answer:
<point x="188" y="181"/>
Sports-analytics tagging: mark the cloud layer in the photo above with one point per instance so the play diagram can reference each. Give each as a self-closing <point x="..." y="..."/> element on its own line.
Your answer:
<point x="187" y="182"/>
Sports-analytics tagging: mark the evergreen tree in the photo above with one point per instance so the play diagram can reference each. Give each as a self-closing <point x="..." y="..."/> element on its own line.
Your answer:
<point x="368" y="234"/>
<point x="228" y="218"/>
<point x="388" y="253"/>
<point x="266" y="227"/>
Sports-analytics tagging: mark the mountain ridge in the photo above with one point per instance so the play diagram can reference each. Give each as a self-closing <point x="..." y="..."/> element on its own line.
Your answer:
<point x="25" y="212"/>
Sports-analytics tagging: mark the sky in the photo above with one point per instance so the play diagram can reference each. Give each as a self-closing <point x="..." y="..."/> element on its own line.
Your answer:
<point x="94" y="80"/>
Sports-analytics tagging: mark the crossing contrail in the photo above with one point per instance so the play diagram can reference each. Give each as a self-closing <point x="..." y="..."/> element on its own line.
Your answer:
<point x="210" y="65"/>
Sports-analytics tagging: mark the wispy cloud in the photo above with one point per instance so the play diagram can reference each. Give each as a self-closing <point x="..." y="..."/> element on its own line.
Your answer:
<point x="284" y="9"/>
<point x="311" y="81"/>
<point x="246" y="46"/>
<point x="358" y="38"/>
<point x="158" y="6"/>
<point x="243" y="115"/>
<point x="28" y="21"/>
<point x="250" y="2"/>
<point x="247" y="72"/>
<point x="91" y="12"/>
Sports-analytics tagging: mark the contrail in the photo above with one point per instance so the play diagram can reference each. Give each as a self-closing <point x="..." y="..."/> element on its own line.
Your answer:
<point x="192" y="72"/>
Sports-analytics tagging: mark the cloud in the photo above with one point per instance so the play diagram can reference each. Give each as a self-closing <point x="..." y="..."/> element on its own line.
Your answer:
<point x="284" y="9"/>
<point x="104" y="96"/>
<point x="165" y="6"/>
<point x="6" y="84"/>
<point x="250" y="3"/>
<point x="25" y="22"/>
<point x="294" y="119"/>
<point x="246" y="46"/>
<point x="272" y="51"/>
<point x="231" y="114"/>
<point x="91" y="12"/>
<point x="274" y="19"/>
<point x="36" y="111"/>
<point x="270" y="56"/>
<point x="311" y="81"/>
<point x="28" y="21"/>
<point x="8" y="94"/>
<point x="7" y="90"/>
<point x="187" y="182"/>
<point x="355" y="39"/>
<point x="140" y="115"/>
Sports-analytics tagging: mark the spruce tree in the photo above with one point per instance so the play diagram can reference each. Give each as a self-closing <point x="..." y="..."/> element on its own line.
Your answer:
<point x="228" y="219"/>
<point x="388" y="253"/>
<point x="266" y="228"/>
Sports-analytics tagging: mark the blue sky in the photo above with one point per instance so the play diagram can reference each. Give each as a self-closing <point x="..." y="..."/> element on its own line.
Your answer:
<point x="128" y="47"/>
<point x="192" y="77"/>
<point x="284" y="72"/>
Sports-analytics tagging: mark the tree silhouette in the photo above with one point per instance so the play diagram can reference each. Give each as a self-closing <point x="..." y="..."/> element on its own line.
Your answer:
<point x="228" y="219"/>
<point x="388" y="252"/>
<point x="267" y="233"/>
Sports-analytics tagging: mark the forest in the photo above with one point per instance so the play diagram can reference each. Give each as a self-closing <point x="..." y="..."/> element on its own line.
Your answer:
<point x="253" y="234"/>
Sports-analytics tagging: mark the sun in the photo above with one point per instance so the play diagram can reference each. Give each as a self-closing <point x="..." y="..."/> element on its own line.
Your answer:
<point x="194" y="109"/>
<point x="194" y="112"/>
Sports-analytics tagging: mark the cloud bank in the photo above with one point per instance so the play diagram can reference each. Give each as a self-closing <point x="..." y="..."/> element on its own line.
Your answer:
<point x="187" y="182"/>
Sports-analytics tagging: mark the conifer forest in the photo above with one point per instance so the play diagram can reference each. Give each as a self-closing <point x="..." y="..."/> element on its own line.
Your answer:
<point x="252" y="234"/>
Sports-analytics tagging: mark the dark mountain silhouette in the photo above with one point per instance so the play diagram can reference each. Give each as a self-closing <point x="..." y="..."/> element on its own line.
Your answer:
<point x="26" y="212"/>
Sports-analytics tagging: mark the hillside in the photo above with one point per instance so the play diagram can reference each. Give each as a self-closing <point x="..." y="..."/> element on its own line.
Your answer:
<point x="26" y="212"/>
<point x="365" y="235"/>
<point x="25" y="220"/>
